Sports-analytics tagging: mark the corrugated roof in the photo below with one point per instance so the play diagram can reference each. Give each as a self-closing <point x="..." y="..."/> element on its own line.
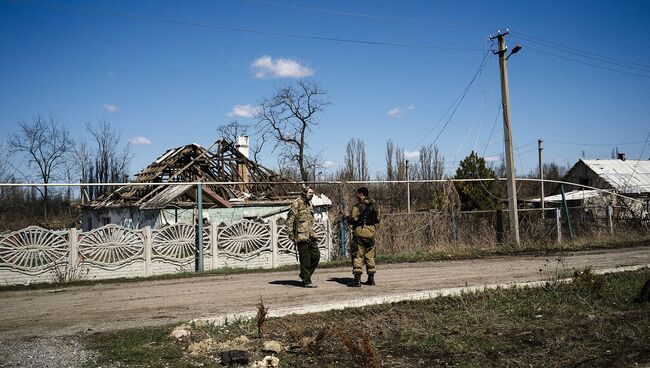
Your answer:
<point x="571" y="196"/>
<point x="162" y="199"/>
<point x="169" y="194"/>
<point x="629" y="176"/>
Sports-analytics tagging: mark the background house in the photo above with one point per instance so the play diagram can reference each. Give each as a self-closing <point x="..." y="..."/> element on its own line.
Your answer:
<point x="630" y="178"/>
<point x="261" y="193"/>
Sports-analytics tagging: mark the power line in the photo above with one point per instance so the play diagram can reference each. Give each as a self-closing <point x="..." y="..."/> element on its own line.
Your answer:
<point x="594" y="144"/>
<point x="621" y="64"/>
<point x="586" y="63"/>
<point x="573" y="49"/>
<point x="238" y="29"/>
<point x="637" y="162"/>
<point x="454" y="107"/>
<point x="368" y="16"/>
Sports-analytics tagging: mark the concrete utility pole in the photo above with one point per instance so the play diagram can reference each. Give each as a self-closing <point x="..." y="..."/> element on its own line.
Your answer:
<point x="541" y="173"/>
<point x="507" y="136"/>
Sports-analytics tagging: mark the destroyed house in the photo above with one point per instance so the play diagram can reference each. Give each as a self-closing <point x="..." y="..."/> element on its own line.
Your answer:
<point x="155" y="201"/>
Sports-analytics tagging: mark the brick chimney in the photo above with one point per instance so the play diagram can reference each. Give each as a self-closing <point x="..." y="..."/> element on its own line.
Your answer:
<point x="242" y="169"/>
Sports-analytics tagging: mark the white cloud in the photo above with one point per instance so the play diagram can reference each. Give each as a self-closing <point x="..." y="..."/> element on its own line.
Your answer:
<point x="111" y="108"/>
<point x="267" y="67"/>
<point x="244" y="111"/>
<point x="327" y="164"/>
<point x="137" y="141"/>
<point x="395" y="113"/>
<point x="493" y="158"/>
<point x="412" y="154"/>
<point x="398" y="112"/>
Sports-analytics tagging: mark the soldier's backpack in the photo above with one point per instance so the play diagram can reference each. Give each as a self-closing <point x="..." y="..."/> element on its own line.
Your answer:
<point x="368" y="215"/>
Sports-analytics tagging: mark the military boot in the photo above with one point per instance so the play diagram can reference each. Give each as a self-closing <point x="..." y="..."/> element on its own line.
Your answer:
<point x="357" y="280"/>
<point x="371" y="280"/>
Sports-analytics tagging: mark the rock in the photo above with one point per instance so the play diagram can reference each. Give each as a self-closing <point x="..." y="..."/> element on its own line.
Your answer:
<point x="272" y="346"/>
<point x="242" y="340"/>
<point x="238" y="343"/>
<point x="179" y="333"/>
<point x="273" y="361"/>
<point x="231" y="357"/>
<point x="269" y="361"/>
<point x="201" y="347"/>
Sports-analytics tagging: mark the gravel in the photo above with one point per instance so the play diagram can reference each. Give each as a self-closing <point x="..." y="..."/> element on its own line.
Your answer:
<point x="42" y="352"/>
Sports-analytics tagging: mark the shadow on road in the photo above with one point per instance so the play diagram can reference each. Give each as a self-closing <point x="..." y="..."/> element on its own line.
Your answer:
<point x="287" y="282"/>
<point x="340" y="280"/>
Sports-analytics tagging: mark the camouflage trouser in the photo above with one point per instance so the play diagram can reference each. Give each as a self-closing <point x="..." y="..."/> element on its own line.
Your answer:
<point x="309" y="256"/>
<point x="362" y="250"/>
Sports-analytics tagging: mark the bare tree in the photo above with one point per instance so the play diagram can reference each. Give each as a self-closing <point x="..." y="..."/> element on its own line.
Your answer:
<point x="356" y="164"/>
<point x="233" y="129"/>
<point x="110" y="162"/>
<point x="45" y="144"/>
<point x="432" y="163"/>
<point x="390" y="152"/>
<point x="5" y="174"/>
<point x="288" y="116"/>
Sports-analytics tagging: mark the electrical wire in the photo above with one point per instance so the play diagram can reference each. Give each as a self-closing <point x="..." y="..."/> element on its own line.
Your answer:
<point x="641" y="69"/>
<point x="637" y="162"/>
<point x="594" y="144"/>
<point x="238" y="29"/>
<point x="368" y="16"/>
<point x="572" y="50"/>
<point x="454" y="107"/>
<point x="462" y="97"/>
<point x="586" y="63"/>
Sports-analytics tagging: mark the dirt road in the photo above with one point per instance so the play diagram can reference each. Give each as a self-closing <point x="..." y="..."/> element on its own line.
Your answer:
<point x="49" y="313"/>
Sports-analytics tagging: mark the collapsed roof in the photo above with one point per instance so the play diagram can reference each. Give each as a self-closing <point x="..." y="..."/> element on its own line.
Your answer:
<point x="220" y="163"/>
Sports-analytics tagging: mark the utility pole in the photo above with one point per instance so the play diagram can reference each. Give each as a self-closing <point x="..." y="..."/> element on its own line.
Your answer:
<point x="408" y="189"/>
<point x="507" y="136"/>
<point x="541" y="173"/>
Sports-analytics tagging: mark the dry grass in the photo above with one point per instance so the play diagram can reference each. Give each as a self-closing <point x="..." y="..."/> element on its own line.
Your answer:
<point x="260" y="318"/>
<point x="591" y="322"/>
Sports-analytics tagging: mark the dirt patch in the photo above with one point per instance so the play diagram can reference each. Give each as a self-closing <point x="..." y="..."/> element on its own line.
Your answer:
<point x="44" y="352"/>
<point x="593" y="322"/>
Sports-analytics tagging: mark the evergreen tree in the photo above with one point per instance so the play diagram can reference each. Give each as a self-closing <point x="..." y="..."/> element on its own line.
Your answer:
<point x="475" y="195"/>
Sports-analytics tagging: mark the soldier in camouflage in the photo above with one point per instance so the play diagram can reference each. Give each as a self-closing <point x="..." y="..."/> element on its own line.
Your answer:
<point x="300" y="225"/>
<point x="363" y="218"/>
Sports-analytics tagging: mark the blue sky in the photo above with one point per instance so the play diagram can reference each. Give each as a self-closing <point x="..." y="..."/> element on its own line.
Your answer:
<point x="167" y="73"/>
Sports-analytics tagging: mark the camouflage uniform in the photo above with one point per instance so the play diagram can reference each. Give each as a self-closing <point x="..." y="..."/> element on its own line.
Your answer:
<point x="300" y="225"/>
<point x="362" y="248"/>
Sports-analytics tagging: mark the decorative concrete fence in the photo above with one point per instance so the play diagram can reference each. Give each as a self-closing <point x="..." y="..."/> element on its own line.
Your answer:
<point x="34" y="254"/>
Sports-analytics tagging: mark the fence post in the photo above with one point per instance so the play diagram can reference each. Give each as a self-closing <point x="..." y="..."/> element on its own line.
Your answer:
<point x="566" y="212"/>
<point x="147" y="251"/>
<point x="275" y="236"/>
<point x="610" y="222"/>
<point x="199" y="227"/>
<point x="558" y="225"/>
<point x="329" y="239"/>
<point x="454" y="228"/>
<point x="499" y="226"/>
<point x="342" y="198"/>
<point x="73" y="248"/>
<point x="215" y="250"/>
